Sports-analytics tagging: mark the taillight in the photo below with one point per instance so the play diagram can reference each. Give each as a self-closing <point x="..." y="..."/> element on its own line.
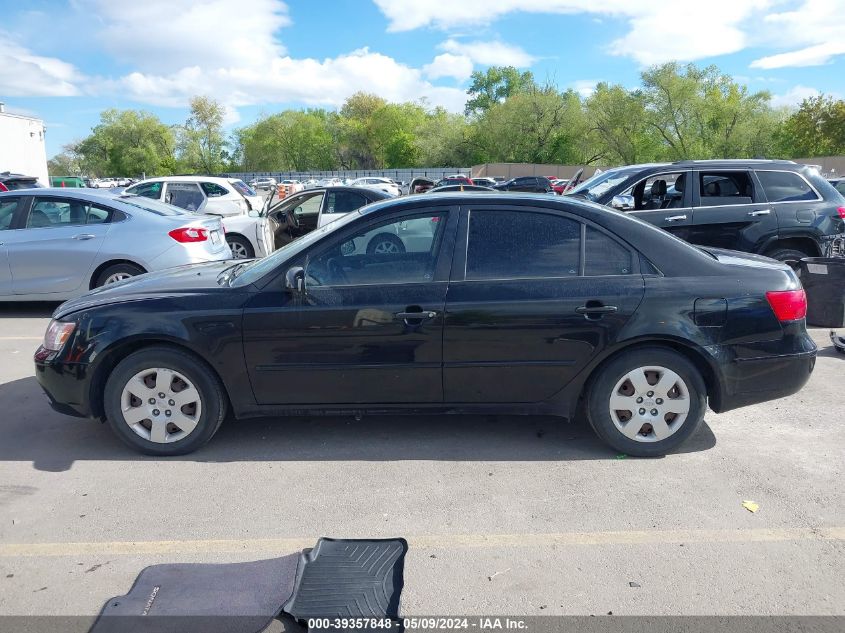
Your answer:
<point x="4" y="188"/>
<point x="788" y="305"/>
<point x="840" y="211"/>
<point x="189" y="234"/>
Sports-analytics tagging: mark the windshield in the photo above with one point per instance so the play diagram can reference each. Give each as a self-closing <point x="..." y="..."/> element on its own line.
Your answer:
<point x="242" y="188"/>
<point x="256" y="270"/>
<point x="594" y="187"/>
<point x="154" y="206"/>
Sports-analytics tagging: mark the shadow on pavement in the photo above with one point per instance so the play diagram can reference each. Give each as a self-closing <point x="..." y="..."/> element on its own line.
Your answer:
<point x="32" y="432"/>
<point x="27" y="309"/>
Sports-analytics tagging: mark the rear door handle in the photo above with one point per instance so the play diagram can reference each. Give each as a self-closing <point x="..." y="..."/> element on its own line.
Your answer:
<point x="754" y="214"/>
<point x="675" y="218"/>
<point x="420" y="316"/>
<point x="84" y="236"/>
<point x="589" y="310"/>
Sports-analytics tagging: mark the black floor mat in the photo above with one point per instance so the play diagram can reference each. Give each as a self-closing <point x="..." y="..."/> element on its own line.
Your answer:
<point x="224" y="598"/>
<point x="360" y="579"/>
<point x="349" y="579"/>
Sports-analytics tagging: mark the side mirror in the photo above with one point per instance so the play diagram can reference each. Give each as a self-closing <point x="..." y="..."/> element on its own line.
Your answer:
<point x="295" y="280"/>
<point x="623" y="203"/>
<point x="254" y="214"/>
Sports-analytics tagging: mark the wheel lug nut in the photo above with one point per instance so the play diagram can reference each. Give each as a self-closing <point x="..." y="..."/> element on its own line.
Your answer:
<point x="660" y="401"/>
<point x="642" y="411"/>
<point x="152" y="400"/>
<point x="639" y="400"/>
<point x="171" y="402"/>
<point x="650" y="394"/>
<point x="167" y="413"/>
<point x="654" y="412"/>
<point x="156" y="411"/>
<point x="161" y="395"/>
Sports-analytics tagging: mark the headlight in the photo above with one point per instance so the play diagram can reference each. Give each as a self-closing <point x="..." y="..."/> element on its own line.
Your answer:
<point x="57" y="335"/>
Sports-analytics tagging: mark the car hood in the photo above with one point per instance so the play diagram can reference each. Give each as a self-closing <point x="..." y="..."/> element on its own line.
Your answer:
<point x="181" y="280"/>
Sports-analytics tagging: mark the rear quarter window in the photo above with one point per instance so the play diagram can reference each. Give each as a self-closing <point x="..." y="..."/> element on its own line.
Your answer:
<point x="785" y="186"/>
<point x="605" y="256"/>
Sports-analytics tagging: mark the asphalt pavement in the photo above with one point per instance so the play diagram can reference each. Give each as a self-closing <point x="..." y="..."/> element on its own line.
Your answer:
<point x="504" y="515"/>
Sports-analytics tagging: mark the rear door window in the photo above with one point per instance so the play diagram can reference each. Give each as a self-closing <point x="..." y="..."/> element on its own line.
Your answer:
<point x="785" y="186"/>
<point x="56" y="212"/>
<point x="185" y="195"/>
<point x="213" y="190"/>
<point x="522" y="245"/>
<point x="720" y="188"/>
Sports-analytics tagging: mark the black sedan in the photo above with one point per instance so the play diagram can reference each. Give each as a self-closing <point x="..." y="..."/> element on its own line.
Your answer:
<point x="495" y="303"/>
<point x="526" y="184"/>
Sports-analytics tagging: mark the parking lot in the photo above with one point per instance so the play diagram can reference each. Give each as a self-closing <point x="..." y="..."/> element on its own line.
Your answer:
<point x="505" y="515"/>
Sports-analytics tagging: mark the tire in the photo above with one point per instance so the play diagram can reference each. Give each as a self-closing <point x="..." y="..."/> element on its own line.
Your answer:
<point x="138" y="378"/>
<point x="117" y="272"/>
<point x="789" y="256"/>
<point x="385" y="243"/>
<point x="241" y="248"/>
<point x="648" y="364"/>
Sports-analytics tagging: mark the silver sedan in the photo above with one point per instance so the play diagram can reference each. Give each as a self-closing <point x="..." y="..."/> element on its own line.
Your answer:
<point x="58" y="243"/>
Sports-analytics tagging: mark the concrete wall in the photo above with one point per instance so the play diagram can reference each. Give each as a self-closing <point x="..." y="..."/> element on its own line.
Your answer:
<point x="22" y="147"/>
<point x="832" y="166"/>
<point x="514" y="170"/>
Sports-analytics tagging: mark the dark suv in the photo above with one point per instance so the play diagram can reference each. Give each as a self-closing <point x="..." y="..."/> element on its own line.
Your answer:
<point x="771" y="207"/>
<point x="12" y="182"/>
<point x="531" y="184"/>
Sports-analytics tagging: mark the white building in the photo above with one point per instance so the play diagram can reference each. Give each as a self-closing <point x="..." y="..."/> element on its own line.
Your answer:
<point x="22" y="147"/>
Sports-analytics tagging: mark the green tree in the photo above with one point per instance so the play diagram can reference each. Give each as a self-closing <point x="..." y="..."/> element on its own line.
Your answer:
<point x="128" y="143"/>
<point x="444" y="139"/>
<point x="66" y="162"/>
<point x="495" y="85"/>
<point x="817" y="128"/>
<point x="202" y="144"/>
<point x="617" y="119"/>
<point x="292" y="139"/>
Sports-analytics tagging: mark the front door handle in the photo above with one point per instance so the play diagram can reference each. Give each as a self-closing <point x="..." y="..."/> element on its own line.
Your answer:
<point x="754" y="214"/>
<point x="84" y="236"/>
<point x="417" y="316"/>
<point x="675" y="218"/>
<point x="596" y="309"/>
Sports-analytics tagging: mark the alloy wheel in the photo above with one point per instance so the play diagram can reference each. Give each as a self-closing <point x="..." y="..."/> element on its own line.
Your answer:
<point x="238" y="250"/>
<point x="386" y="247"/>
<point x="111" y="279"/>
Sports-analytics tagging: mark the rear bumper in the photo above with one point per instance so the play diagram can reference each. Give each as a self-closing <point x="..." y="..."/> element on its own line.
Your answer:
<point x="764" y="371"/>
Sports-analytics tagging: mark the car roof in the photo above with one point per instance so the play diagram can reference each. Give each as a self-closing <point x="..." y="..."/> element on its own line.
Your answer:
<point x="217" y="179"/>
<point x="64" y="192"/>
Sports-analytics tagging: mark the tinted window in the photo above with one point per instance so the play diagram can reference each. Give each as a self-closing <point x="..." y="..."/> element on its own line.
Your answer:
<point x="7" y="212"/>
<point x="213" y="190"/>
<point x="840" y="186"/>
<point x="185" y="195"/>
<point x="147" y="190"/>
<point x="242" y="188"/>
<point x="522" y="245"/>
<point x="722" y="188"/>
<point x="785" y="186"/>
<point x="344" y="202"/>
<point x="605" y="256"/>
<point x="397" y="252"/>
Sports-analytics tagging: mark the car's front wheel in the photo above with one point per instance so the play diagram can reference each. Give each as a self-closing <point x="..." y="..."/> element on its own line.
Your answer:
<point x="163" y="401"/>
<point x="647" y="402"/>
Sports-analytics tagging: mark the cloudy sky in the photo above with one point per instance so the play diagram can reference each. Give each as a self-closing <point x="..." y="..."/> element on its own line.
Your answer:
<point x="67" y="61"/>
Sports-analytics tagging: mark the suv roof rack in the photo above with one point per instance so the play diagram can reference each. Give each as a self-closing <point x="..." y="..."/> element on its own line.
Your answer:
<point x="734" y="160"/>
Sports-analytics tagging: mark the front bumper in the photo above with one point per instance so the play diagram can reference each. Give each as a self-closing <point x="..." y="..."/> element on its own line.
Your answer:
<point x="66" y="384"/>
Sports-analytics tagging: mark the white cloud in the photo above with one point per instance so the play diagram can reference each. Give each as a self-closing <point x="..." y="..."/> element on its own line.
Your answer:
<point x="794" y="96"/>
<point x="810" y="56"/>
<point x="493" y="53"/>
<point x="658" y="30"/>
<point x="24" y="74"/>
<point x="159" y="35"/>
<point x="449" y="65"/>
<point x="585" y="87"/>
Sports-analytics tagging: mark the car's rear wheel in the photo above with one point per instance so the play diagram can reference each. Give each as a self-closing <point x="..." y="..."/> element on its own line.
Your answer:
<point x="647" y="402"/>
<point x="162" y="401"/>
<point x="241" y="248"/>
<point x="117" y="272"/>
<point x="385" y="243"/>
<point x="789" y="256"/>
